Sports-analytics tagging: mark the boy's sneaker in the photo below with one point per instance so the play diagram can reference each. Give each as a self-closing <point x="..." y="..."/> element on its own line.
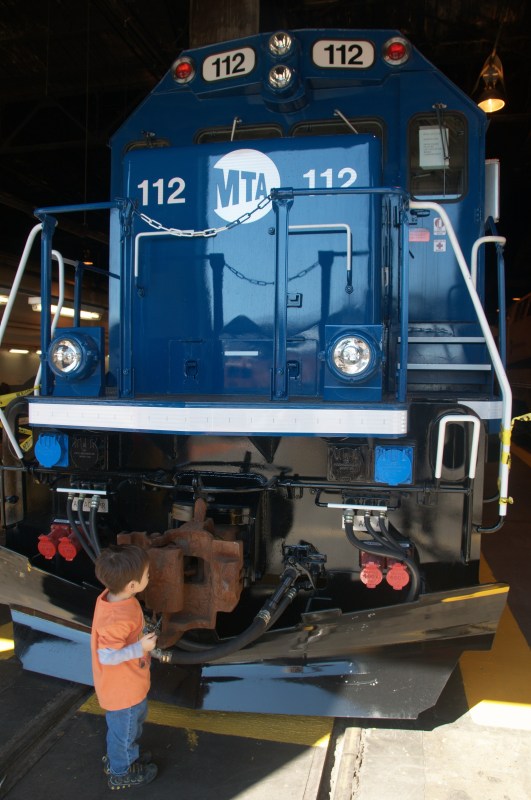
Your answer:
<point x="137" y="775"/>
<point x="143" y="758"/>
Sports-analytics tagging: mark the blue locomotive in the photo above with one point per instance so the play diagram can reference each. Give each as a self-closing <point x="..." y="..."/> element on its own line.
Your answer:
<point x="300" y="392"/>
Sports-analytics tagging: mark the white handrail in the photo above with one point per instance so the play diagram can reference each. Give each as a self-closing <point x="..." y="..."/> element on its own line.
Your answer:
<point x="18" y="277"/>
<point x="5" y="319"/>
<point x="474" y="256"/>
<point x="503" y="472"/>
<point x="337" y="226"/>
<point x="474" y="446"/>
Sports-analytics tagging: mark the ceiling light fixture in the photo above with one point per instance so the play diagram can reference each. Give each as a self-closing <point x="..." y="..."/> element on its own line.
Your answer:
<point x="66" y="311"/>
<point x="492" y="98"/>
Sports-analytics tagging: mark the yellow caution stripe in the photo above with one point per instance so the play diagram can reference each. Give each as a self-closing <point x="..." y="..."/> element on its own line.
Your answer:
<point x="7" y="645"/>
<point x="5" y="399"/>
<point x="306" y="731"/>
<point x="481" y="593"/>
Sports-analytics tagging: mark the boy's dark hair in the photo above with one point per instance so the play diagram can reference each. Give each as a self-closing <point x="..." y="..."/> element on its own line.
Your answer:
<point x="118" y="565"/>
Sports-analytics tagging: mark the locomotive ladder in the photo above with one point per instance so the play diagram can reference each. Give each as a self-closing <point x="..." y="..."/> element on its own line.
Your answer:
<point x="505" y="389"/>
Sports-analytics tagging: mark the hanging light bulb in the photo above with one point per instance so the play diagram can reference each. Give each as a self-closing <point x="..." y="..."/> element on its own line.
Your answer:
<point x="492" y="98"/>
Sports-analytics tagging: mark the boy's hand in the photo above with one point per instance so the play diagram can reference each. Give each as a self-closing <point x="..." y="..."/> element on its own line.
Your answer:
<point x="148" y="642"/>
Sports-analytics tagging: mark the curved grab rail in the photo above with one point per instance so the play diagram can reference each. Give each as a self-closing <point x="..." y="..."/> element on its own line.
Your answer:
<point x="473" y="447"/>
<point x="475" y="248"/>
<point x="5" y="319"/>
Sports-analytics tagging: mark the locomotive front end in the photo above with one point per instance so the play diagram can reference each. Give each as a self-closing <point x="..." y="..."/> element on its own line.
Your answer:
<point x="295" y="413"/>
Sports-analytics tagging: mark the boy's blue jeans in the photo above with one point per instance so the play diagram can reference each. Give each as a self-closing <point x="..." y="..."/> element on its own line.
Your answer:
<point x="124" y="729"/>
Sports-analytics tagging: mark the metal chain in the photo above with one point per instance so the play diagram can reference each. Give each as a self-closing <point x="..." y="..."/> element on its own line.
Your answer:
<point x="208" y="232"/>
<point x="256" y="282"/>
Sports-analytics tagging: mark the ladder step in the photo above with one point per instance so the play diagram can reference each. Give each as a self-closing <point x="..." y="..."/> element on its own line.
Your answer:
<point x="450" y="366"/>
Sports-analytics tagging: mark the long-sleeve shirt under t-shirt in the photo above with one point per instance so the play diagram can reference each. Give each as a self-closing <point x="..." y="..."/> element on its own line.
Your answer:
<point x="119" y="665"/>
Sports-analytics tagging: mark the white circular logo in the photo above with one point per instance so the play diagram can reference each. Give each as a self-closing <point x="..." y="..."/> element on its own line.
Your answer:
<point x="242" y="179"/>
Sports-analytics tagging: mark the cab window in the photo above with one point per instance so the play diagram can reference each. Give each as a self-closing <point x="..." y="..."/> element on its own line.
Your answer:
<point x="239" y="132"/>
<point x="438" y="156"/>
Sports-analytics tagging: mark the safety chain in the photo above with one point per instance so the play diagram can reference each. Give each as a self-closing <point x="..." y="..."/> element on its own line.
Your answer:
<point x="208" y="232"/>
<point x="243" y="277"/>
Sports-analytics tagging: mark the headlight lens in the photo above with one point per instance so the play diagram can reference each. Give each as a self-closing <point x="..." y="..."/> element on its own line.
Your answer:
<point x="280" y="43"/>
<point x="280" y="76"/>
<point x="65" y="356"/>
<point x="73" y="356"/>
<point x="351" y="355"/>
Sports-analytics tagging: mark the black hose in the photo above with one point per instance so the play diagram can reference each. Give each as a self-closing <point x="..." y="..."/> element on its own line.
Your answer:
<point x="384" y="527"/>
<point x="492" y="528"/>
<point x="269" y="612"/>
<point x="493" y="499"/>
<point x="84" y="527"/>
<point x="387" y="551"/>
<point x="225" y="648"/>
<point x="93" y="526"/>
<point x="196" y="647"/>
<point x="387" y="541"/>
<point x="75" y="530"/>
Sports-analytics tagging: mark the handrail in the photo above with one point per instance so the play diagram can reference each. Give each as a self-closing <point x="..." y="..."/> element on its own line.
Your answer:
<point x="505" y="388"/>
<point x="5" y="319"/>
<point x="18" y="277"/>
<point x="499" y="241"/>
<point x="332" y="226"/>
<point x="60" y="302"/>
<point x="474" y="446"/>
<point x="474" y="256"/>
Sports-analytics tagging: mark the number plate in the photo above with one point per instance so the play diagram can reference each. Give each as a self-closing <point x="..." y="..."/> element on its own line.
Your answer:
<point x="343" y="54"/>
<point x="231" y="64"/>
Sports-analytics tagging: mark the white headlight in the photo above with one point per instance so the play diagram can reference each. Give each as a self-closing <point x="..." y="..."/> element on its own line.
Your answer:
<point x="73" y="355"/>
<point x="65" y="356"/>
<point x="351" y="355"/>
<point x="280" y="43"/>
<point x="280" y="76"/>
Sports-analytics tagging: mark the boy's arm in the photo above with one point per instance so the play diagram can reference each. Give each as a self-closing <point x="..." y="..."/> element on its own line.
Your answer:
<point x="109" y="656"/>
<point x="117" y="655"/>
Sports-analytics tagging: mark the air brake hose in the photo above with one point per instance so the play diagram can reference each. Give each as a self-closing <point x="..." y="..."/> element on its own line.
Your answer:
<point x="269" y="612"/>
<point x="77" y="533"/>
<point x="196" y="647"/>
<point x="93" y="525"/>
<point x="386" y="550"/>
<point x="87" y="533"/>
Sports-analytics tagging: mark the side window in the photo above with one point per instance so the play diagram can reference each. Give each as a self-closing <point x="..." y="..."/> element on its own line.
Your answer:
<point x="338" y="127"/>
<point x="239" y="132"/>
<point x="438" y="156"/>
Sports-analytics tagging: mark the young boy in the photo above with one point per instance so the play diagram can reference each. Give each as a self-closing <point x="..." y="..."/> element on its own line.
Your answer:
<point x="120" y="663"/>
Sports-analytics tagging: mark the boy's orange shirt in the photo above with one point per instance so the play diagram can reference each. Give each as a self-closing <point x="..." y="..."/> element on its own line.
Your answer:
<point x="116" y="625"/>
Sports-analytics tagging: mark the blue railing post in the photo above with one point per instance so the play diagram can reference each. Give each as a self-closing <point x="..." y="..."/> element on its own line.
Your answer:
<point x="403" y="292"/>
<point x="48" y="228"/>
<point x="502" y="309"/>
<point x="282" y="202"/>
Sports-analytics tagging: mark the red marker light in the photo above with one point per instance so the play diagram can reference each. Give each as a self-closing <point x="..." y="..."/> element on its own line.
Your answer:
<point x="183" y="70"/>
<point x="396" y="51"/>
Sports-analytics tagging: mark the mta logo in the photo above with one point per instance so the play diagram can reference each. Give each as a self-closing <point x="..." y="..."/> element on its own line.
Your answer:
<point x="243" y="178"/>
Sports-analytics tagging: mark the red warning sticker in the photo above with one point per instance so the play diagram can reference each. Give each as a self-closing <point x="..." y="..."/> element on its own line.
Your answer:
<point x="419" y="235"/>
